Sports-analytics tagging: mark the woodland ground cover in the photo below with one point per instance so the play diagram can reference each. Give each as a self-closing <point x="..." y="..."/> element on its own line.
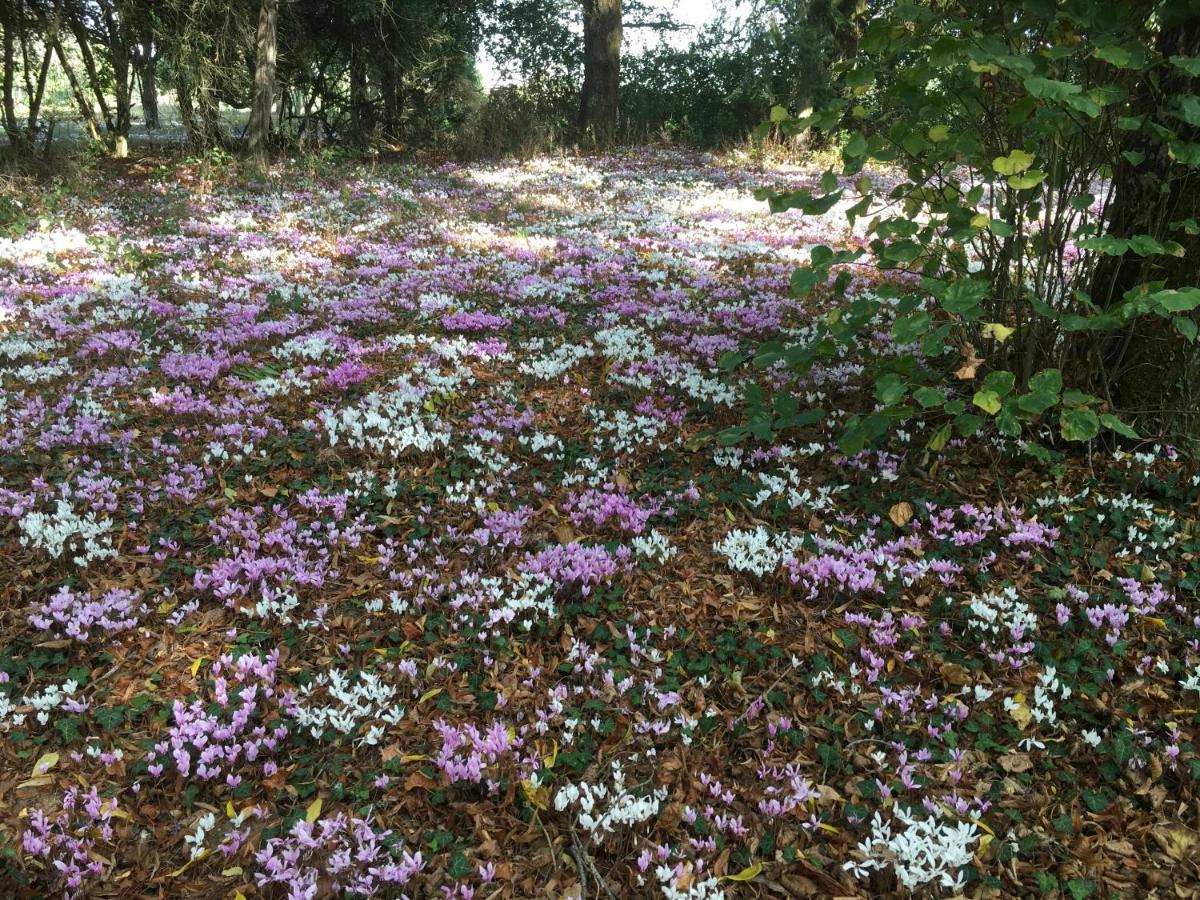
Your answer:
<point x="369" y="530"/>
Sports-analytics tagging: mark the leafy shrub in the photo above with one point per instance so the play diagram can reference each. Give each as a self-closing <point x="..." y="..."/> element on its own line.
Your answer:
<point x="1040" y="214"/>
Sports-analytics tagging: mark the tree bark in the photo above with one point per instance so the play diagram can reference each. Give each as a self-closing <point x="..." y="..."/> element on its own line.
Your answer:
<point x="601" y="71"/>
<point x="259" y="128"/>
<point x="147" y="71"/>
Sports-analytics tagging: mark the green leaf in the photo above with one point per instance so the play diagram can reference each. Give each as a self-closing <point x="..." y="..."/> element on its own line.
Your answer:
<point x="1112" y="423"/>
<point x="1029" y="179"/>
<point x="1186" y="327"/>
<point x="855" y="147"/>
<point x="1189" y="64"/>
<point x="1014" y="163"/>
<point x="939" y="133"/>
<point x="929" y="397"/>
<point x="1121" y="57"/>
<point x="1181" y="300"/>
<point x="964" y="296"/>
<point x="1049" y="89"/>
<point x="1001" y="382"/>
<point x="1079" y="424"/>
<point x="1080" y="888"/>
<point x="908" y="328"/>
<point x="902" y="251"/>
<point x="779" y="114"/>
<point x="890" y="389"/>
<point x="1189" y="109"/>
<point x="937" y="443"/>
<point x="988" y="401"/>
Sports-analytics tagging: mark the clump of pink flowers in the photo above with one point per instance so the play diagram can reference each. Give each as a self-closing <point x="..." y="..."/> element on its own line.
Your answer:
<point x="333" y="856"/>
<point x="65" y="841"/>
<point x="205" y="744"/>
<point x="77" y="615"/>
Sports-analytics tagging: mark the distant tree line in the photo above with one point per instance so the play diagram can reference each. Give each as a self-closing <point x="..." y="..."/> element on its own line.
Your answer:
<point x="403" y="72"/>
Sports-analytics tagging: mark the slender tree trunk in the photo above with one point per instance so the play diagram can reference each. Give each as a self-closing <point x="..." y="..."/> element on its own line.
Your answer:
<point x="359" y="107"/>
<point x="601" y="71"/>
<point x="81" y="99"/>
<point x="12" y="126"/>
<point x="259" y="129"/>
<point x="148" y="61"/>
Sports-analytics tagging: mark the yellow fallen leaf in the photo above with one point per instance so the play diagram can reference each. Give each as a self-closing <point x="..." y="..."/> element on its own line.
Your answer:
<point x="229" y="811"/>
<point x="1020" y="712"/>
<point x="231" y="871"/>
<point x="429" y="695"/>
<point x="553" y="757"/>
<point x="313" y="811"/>
<point x="538" y="796"/>
<point x="187" y="865"/>
<point x="747" y="874"/>
<point x="196" y="665"/>
<point x="47" y="762"/>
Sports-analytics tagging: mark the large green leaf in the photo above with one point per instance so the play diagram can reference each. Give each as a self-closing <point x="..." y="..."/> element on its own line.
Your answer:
<point x="1079" y="423"/>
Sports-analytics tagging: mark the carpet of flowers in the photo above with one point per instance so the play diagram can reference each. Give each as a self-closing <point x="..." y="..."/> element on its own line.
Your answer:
<point x="364" y="532"/>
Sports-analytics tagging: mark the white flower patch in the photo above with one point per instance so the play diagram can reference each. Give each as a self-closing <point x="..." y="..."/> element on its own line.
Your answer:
<point x="312" y="347"/>
<point x="43" y="703"/>
<point x="1046" y="693"/>
<point x="52" y="532"/>
<point x="708" y="889"/>
<point x="15" y="346"/>
<point x="556" y="363"/>
<point x="387" y="422"/>
<point x="655" y="545"/>
<point x="195" y="840"/>
<point x="923" y="851"/>
<point x="758" y="551"/>
<point x="601" y="808"/>
<point x="625" y="434"/>
<point x="359" y="698"/>
<point x="1002" y="611"/>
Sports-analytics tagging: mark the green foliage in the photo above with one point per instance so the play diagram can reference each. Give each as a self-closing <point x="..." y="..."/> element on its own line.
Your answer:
<point x="1003" y="127"/>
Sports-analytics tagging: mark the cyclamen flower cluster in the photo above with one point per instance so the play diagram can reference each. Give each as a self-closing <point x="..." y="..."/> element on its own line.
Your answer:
<point x="468" y="753"/>
<point x="611" y="505"/>
<point x="601" y="806"/>
<point x="207" y="744"/>
<point x="52" y="532"/>
<point x="342" y="854"/>
<point x="356" y="698"/>
<point x="74" y="615"/>
<point x="758" y="552"/>
<point x="66" y="841"/>
<point x="924" y="851"/>
<point x="577" y="564"/>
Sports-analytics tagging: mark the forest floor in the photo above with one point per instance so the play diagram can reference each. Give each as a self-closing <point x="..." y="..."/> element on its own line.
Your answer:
<point x="366" y="530"/>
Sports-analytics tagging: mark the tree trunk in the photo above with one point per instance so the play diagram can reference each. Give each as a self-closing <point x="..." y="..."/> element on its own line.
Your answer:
<point x="601" y="71"/>
<point x="259" y="128"/>
<point x="360" y="110"/>
<point x="12" y="126"/>
<point x="81" y="100"/>
<point x="148" y="65"/>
